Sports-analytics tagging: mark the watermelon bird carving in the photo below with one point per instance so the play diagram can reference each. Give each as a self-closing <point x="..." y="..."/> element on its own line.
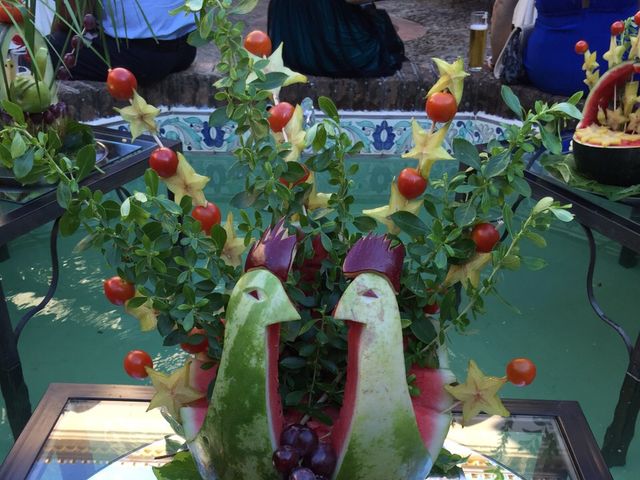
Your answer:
<point x="380" y="435"/>
<point x="244" y="420"/>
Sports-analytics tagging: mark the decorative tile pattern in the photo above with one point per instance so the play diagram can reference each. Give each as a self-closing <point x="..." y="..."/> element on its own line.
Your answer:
<point x="382" y="133"/>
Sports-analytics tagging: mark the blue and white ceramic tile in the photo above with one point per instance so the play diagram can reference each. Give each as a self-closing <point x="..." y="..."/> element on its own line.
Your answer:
<point x="381" y="132"/>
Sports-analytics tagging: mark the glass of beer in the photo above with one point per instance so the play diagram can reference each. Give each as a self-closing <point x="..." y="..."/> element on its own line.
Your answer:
<point x="478" y="40"/>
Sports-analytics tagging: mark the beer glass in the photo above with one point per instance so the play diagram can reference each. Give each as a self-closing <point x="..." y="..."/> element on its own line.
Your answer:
<point x="477" y="40"/>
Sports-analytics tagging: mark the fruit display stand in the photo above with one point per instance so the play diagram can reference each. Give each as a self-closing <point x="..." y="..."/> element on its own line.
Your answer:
<point x="102" y="431"/>
<point x="125" y="161"/>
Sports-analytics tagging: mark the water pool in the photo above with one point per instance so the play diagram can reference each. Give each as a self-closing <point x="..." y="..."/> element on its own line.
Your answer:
<point x="80" y="337"/>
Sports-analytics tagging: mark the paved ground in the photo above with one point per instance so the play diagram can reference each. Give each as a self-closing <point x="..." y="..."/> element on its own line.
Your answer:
<point x="428" y="27"/>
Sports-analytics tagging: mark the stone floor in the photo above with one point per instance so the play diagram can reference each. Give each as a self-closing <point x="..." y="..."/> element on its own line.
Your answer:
<point x="428" y="27"/>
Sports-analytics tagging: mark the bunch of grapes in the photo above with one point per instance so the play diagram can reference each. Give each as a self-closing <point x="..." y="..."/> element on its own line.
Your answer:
<point x="301" y="456"/>
<point x="69" y="59"/>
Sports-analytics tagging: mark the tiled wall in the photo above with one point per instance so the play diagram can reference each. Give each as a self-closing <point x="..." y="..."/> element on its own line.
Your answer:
<point x="381" y="132"/>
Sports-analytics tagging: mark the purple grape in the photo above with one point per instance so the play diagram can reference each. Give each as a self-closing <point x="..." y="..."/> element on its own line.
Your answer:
<point x="322" y="460"/>
<point x="300" y="437"/>
<point x="63" y="73"/>
<point x="76" y="42"/>
<point x="48" y="117"/>
<point x="285" y="459"/>
<point x="69" y="60"/>
<point x="302" y="473"/>
<point x="89" y="22"/>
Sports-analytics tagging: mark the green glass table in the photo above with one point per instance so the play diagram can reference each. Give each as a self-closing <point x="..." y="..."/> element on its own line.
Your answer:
<point x="103" y="432"/>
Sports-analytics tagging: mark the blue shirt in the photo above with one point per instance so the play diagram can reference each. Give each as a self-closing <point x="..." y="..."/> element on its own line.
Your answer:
<point x="549" y="58"/>
<point x="125" y="19"/>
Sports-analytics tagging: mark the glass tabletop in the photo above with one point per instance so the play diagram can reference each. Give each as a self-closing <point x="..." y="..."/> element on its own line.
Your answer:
<point x="116" y="439"/>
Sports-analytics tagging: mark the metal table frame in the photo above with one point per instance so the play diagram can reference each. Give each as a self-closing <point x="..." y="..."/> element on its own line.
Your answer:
<point x="26" y="218"/>
<point x="570" y="419"/>
<point x="626" y="232"/>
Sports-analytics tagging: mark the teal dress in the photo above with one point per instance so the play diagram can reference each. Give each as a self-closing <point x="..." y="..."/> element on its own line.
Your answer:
<point x="333" y="38"/>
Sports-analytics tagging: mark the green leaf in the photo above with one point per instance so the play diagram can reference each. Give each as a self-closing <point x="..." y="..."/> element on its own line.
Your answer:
<point x="562" y="214"/>
<point x="329" y="108"/>
<point x="511" y="262"/>
<point x="69" y="223"/>
<point x="244" y="6"/>
<point x="18" y="146"/>
<point x="538" y="240"/>
<point x="242" y="200"/>
<point x="465" y="214"/>
<point x="194" y="5"/>
<point x="5" y="157"/>
<point x="543" y="204"/>
<point x="218" y="117"/>
<point x="465" y="152"/>
<point x="23" y="165"/>
<point x="182" y="467"/>
<point x="136" y="302"/>
<point x="272" y="80"/>
<point x="86" y="160"/>
<point x="511" y="100"/>
<point x="219" y="236"/>
<point x="364" y="224"/>
<point x="423" y="329"/>
<point x="196" y="40"/>
<point x="507" y="217"/>
<point x="63" y="194"/>
<point x="152" y="181"/>
<point x="533" y="263"/>
<point x="409" y="223"/>
<point x="14" y="110"/>
<point x="293" y="363"/>
<point x="125" y="208"/>
<point x="497" y="164"/>
<point x="551" y="141"/>
<point x="567" y="108"/>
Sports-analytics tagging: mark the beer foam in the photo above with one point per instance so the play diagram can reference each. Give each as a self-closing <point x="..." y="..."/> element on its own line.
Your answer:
<point x="479" y="26"/>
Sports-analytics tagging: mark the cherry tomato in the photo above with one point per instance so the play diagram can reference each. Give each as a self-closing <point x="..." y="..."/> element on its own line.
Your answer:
<point x="118" y="291"/>
<point x="441" y="107"/>
<point x="279" y="116"/>
<point x="135" y="362"/>
<point x="121" y="83"/>
<point x="300" y="181"/>
<point x="197" y="347"/>
<point x="431" y="308"/>
<point x="581" y="47"/>
<point x="617" y="27"/>
<point x="521" y="371"/>
<point x="411" y="184"/>
<point x="636" y="18"/>
<point x="258" y="43"/>
<point x="164" y="161"/>
<point x="10" y="13"/>
<point x="208" y="216"/>
<point x="485" y="236"/>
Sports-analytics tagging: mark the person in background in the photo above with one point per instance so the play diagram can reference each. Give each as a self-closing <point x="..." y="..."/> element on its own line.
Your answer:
<point x="139" y="35"/>
<point x="546" y="51"/>
<point x="335" y="38"/>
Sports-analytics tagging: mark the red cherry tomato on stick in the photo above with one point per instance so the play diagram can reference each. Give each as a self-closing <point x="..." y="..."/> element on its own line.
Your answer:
<point x="10" y="13"/>
<point x="636" y="18"/>
<point x="521" y="371"/>
<point x="441" y="107"/>
<point x="135" y="362"/>
<point x="485" y="236"/>
<point x="258" y="43"/>
<point x="279" y="116"/>
<point x="581" y="47"/>
<point x="411" y="184"/>
<point x="202" y="346"/>
<point x="208" y="216"/>
<point x="118" y="291"/>
<point x="164" y="161"/>
<point x="617" y="27"/>
<point x="121" y="83"/>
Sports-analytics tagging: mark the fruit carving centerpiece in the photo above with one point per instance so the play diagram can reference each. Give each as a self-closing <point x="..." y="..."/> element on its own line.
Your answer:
<point x="317" y="334"/>
<point x="606" y="143"/>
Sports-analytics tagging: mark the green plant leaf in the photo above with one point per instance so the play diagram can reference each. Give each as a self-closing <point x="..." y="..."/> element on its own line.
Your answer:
<point x="218" y="117"/>
<point x="18" y="146"/>
<point x="272" y="80"/>
<point x="497" y="164"/>
<point x="465" y="214"/>
<point x="567" y="108"/>
<point x="244" y="6"/>
<point x="409" y="223"/>
<point x="562" y="214"/>
<point x="69" y="223"/>
<point x="465" y="152"/>
<point x="182" y="467"/>
<point x="364" y="224"/>
<point x="329" y="108"/>
<point x="23" y="165"/>
<point x="538" y="240"/>
<point x="511" y="100"/>
<point x="293" y="363"/>
<point x="194" y="5"/>
<point x="63" y="194"/>
<point x="533" y="263"/>
<point x="86" y="160"/>
<point x="423" y="329"/>
<point x="14" y="111"/>
<point x="507" y="217"/>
